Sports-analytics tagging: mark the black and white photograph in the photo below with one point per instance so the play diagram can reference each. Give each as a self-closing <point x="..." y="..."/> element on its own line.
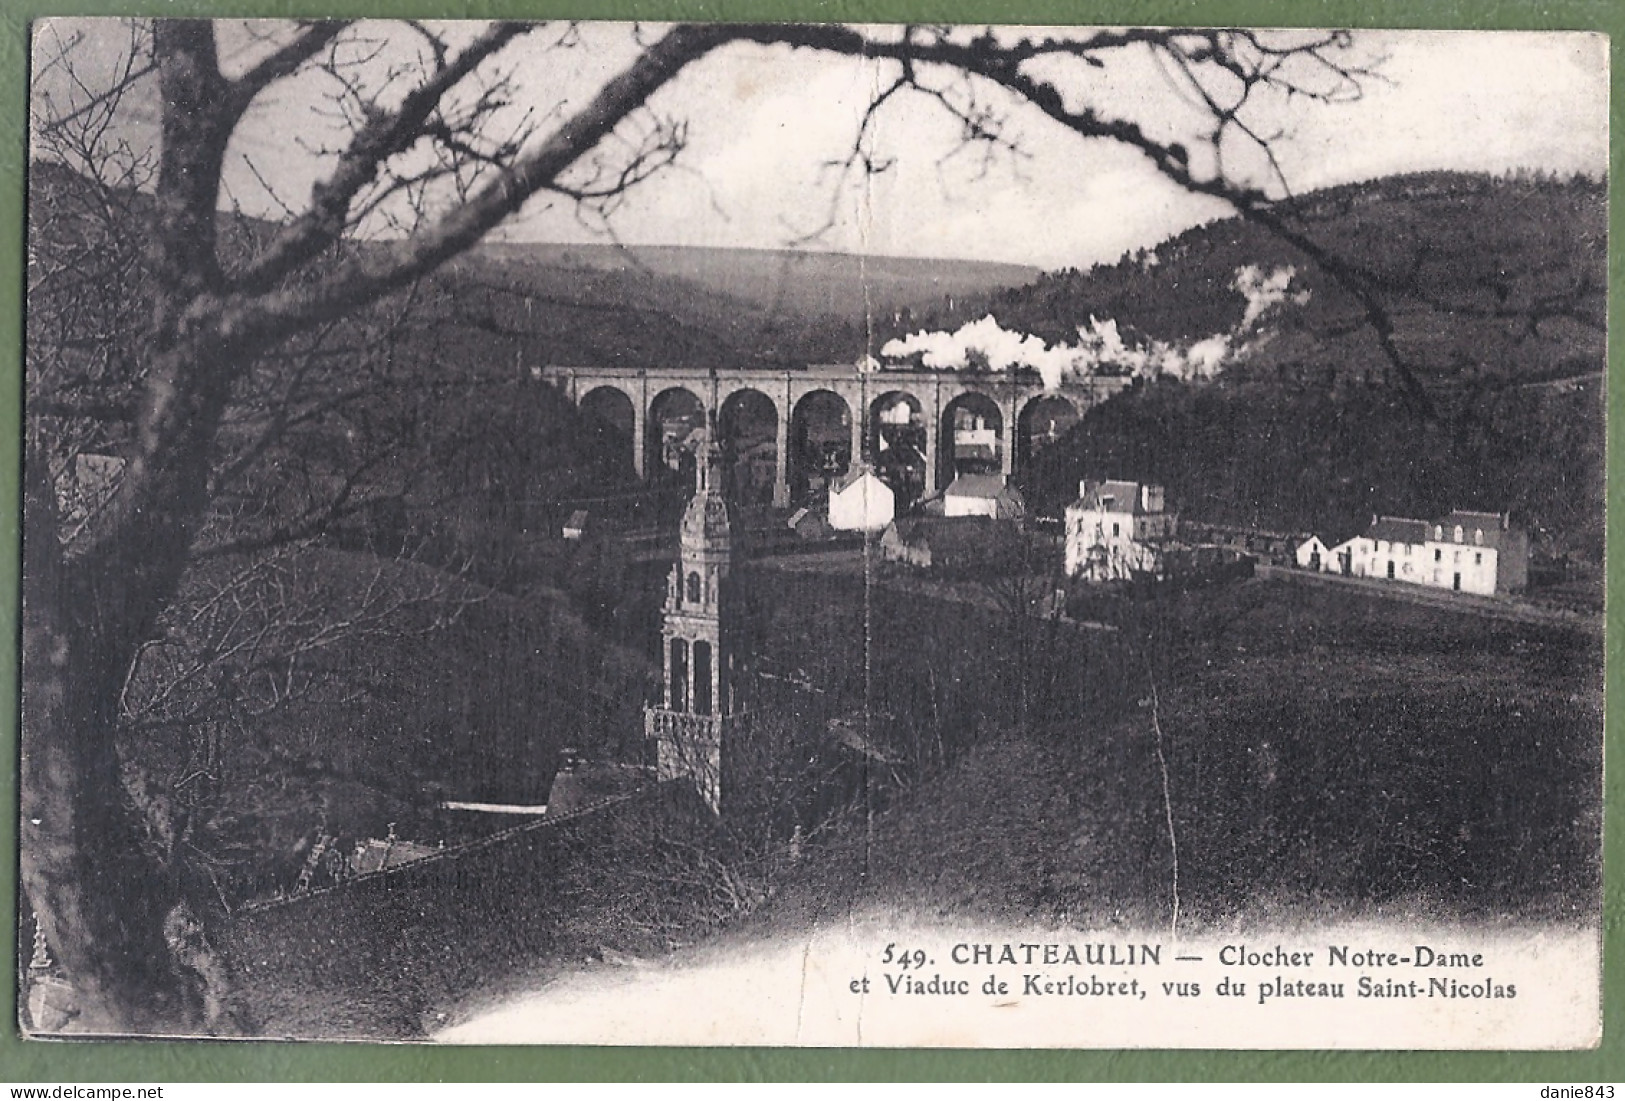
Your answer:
<point x="794" y="534"/>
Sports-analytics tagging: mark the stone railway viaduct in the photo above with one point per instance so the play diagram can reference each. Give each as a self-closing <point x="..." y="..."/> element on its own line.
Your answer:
<point x="1004" y="401"/>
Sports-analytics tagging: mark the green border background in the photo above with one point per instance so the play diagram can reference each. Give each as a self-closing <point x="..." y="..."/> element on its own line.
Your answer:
<point x="43" y="1063"/>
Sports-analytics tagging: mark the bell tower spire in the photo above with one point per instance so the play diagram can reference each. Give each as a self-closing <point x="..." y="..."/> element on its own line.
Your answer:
<point x="705" y="457"/>
<point x="701" y="712"/>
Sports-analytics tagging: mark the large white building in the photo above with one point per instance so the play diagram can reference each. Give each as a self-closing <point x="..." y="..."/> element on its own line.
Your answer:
<point x="1118" y="530"/>
<point x="1468" y="552"/>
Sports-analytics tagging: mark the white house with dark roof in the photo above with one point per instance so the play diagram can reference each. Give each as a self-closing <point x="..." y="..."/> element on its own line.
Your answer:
<point x="1469" y="552"/>
<point x="1117" y="530"/>
<point x="1390" y="548"/>
<point x="983" y="495"/>
<point x="1476" y="552"/>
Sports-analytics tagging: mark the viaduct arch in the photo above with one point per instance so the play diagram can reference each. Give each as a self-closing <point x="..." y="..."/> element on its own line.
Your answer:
<point x="987" y="417"/>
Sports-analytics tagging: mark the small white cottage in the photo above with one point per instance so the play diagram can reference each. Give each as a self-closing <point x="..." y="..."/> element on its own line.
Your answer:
<point x="983" y="495"/>
<point x="860" y="501"/>
<point x="1312" y="554"/>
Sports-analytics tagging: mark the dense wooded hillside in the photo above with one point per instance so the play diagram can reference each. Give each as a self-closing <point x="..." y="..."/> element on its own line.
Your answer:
<point x="1486" y="277"/>
<point x="1494" y="291"/>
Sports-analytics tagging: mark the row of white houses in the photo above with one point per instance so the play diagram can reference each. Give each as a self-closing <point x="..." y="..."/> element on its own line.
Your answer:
<point x="1117" y="530"/>
<point x="1468" y="552"/>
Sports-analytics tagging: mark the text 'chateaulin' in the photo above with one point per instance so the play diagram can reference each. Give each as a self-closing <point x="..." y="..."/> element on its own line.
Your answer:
<point x="1243" y="965"/>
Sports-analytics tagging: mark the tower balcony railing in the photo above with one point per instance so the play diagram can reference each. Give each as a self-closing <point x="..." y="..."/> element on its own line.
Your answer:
<point x="661" y="723"/>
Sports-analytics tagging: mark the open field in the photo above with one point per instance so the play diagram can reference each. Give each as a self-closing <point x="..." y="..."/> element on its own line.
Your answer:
<point x="1328" y="753"/>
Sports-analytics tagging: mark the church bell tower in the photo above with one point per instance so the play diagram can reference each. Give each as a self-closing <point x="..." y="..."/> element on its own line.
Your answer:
<point x="701" y="714"/>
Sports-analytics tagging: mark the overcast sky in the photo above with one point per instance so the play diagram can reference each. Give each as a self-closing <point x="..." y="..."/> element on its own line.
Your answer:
<point x="762" y="122"/>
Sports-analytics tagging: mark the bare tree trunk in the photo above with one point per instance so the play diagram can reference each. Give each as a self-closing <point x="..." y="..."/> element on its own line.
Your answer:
<point x="94" y="884"/>
<point x="91" y="863"/>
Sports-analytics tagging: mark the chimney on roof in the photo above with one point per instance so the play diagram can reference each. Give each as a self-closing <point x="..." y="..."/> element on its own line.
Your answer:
<point x="1151" y="498"/>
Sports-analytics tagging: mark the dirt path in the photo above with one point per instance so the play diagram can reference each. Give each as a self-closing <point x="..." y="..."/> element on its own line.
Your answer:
<point x="1495" y="607"/>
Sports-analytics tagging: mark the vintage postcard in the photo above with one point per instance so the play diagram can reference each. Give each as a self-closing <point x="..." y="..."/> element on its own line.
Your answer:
<point x="794" y="534"/>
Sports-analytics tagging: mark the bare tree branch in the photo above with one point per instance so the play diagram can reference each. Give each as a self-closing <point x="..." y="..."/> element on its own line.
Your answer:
<point x="385" y="134"/>
<point x="284" y="62"/>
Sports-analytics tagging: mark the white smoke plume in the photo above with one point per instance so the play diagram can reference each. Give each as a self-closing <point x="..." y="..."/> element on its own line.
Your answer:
<point x="986" y="345"/>
<point x="1264" y="292"/>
